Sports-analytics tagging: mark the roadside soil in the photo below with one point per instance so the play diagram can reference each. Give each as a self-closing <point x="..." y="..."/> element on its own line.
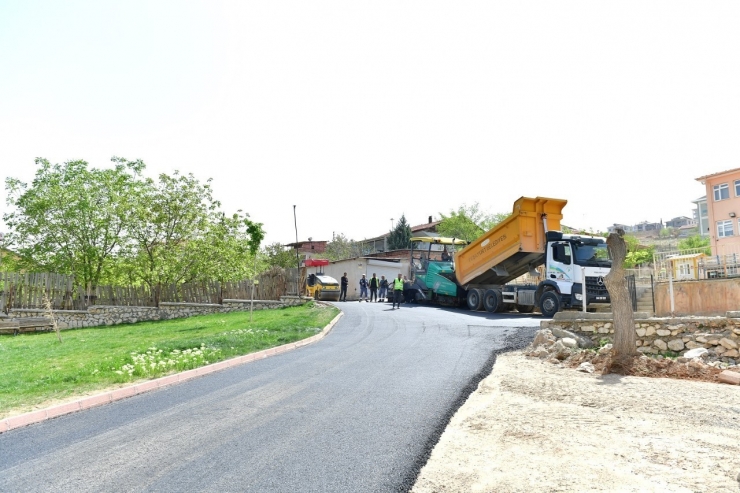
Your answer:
<point x="536" y="426"/>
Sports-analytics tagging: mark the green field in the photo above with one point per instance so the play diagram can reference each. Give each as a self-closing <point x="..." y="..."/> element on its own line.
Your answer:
<point x="37" y="368"/>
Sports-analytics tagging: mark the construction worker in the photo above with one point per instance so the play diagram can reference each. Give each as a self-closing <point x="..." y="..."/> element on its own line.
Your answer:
<point x="343" y="292"/>
<point x="363" y="288"/>
<point x="374" y="285"/>
<point x="383" y="295"/>
<point x="397" y="291"/>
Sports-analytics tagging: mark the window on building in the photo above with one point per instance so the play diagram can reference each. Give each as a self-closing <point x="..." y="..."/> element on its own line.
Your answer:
<point x="724" y="228"/>
<point x="737" y="188"/>
<point x="721" y="192"/>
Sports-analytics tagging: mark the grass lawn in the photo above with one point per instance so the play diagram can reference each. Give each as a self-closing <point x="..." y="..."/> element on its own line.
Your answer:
<point x="36" y="368"/>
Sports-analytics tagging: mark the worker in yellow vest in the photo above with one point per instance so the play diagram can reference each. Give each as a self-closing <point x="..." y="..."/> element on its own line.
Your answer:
<point x="397" y="291"/>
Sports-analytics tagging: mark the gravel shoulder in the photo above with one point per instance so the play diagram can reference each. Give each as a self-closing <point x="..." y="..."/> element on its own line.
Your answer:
<point x="535" y="426"/>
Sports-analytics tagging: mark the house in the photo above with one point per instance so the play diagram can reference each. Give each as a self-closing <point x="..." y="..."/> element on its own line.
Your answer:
<point x="685" y="267"/>
<point x="614" y="227"/>
<point x="723" y="207"/>
<point x="379" y="244"/>
<point x="646" y="226"/>
<point x="309" y="246"/>
<point x="678" y="222"/>
<point x="701" y="215"/>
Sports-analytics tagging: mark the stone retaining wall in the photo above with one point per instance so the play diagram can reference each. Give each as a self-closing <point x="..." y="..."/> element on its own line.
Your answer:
<point x="113" y="315"/>
<point x="719" y="335"/>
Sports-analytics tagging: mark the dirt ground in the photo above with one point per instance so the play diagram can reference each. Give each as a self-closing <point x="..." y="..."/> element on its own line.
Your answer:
<point x="533" y="426"/>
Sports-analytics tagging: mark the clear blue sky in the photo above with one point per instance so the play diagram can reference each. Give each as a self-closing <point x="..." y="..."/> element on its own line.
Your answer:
<point x="361" y="111"/>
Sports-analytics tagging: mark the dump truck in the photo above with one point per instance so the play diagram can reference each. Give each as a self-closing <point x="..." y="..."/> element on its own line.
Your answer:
<point x="480" y="275"/>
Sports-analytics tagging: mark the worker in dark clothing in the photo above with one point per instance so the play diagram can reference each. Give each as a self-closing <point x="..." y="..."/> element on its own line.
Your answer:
<point x="363" y="288"/>
<point x="343" y="292"/>
<point x="374" y="285"/>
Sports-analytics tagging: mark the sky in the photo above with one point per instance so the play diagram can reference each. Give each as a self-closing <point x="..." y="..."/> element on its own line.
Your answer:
<point x="359" y="112"/>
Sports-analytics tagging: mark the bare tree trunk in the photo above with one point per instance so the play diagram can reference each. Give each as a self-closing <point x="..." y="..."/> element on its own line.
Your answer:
<point x="157" y="294"/>
<point x="624" y="318"/>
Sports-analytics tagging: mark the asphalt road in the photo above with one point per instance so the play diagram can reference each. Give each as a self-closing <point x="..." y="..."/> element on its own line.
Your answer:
<point x="358" y="411"/>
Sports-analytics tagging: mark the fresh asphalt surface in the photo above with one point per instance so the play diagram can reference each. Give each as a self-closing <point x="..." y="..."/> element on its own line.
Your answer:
<point x="358" y="411"/>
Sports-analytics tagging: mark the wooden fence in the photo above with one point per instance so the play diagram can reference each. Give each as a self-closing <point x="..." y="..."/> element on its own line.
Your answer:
<point x="27" y="291"/>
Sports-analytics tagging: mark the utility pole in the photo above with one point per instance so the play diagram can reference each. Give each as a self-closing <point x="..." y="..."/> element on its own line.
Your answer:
<point x="298" y="260"/>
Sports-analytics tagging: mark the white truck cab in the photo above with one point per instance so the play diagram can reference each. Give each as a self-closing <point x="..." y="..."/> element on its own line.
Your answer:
<point x="572" y="261"/>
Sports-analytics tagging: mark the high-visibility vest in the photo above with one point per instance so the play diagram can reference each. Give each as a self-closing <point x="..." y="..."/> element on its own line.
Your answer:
<point x="398" y="284"/>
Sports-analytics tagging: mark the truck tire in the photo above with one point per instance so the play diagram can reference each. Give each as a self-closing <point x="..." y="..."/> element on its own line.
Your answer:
<point x="492" y="300"/>
<point x="475" y="299"/>
<point x="549" y="304"/>
<point x="525" y="308"/>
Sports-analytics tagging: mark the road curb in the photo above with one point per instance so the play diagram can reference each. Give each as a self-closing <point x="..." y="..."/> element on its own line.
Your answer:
<point x="32" y="417"/>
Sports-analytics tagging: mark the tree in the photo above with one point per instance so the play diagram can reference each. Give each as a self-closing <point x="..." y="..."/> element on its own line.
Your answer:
<point x="169" y="220"/>
<point x="492" y="220"/>
<point x="695" y="243"/>
<point x="400" y="236"/>
<point x="228" y="248"/>
<point x="621" y="301"/>
<point x="468" y="222"/>
<point x="10" y="261"/>
<point x="340" y="247"/>
<point x="641" y="256"/>
<point x="72" y="218"/>
<point x="275" y="254"/>
<point x="637" y="254"/>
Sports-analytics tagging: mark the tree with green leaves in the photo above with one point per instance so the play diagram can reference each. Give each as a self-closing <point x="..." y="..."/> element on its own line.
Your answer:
<point x="72" y="219"/>
<point x="400" y="236"/>
<point x="11" y="261"/>
<point x="228" y="248"/>
<point x="468" y="222"/>
<point x="637" y="254"/>
<point x="170" y="219"/>
<point x="340" y="247"/>
<point x="695" y="243"/>
<point x="275" y="254"/>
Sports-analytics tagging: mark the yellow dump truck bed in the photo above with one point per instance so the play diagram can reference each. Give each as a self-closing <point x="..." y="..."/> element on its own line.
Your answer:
<point x="512" y="247"/>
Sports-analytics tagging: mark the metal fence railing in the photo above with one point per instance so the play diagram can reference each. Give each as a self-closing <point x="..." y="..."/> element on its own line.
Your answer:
<point x="697" y="263"/>
<point x="632" y="287"/>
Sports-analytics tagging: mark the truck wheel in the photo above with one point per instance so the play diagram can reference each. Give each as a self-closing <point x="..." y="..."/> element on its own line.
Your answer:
<point x="549" y="304"/>
<point x="492" y="301"/>
<point x="475" y="300"/>
<point x="525" y="308"/>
